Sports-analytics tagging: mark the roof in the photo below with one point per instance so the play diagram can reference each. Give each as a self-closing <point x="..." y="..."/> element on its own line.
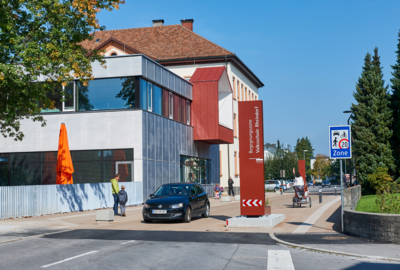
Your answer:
<point x="160" y="42"/>
<point x="207" y="74"/>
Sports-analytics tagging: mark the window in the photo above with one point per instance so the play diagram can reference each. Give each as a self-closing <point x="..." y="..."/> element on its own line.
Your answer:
<point x="149" y="97"/>
<point x="114" y="54"/>
<point x="236" y="164"/>
<point x="171" y="105"/>
<point x="195" y="170"/>
<point x="107" y="94"/>
<point x="188" y="112"/>
<point x="248" y="95"/>
<point x="69" y="98"/>
<point x="243" y="97"/>
<point x="55" y="104"/>
<point x="238" y="90"/>
<point x="157" y="100"/>
<point x="234" y="125"/>
<point x="220" y="164"/>
<point x="234" y="88"/>
<point x="245" y="94"/>
<point x="256" y="98"/>
<point x="4" y="169"/>
<point x="252" y="96"/>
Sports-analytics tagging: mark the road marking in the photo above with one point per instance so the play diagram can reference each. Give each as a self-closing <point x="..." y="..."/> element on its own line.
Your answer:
<point x="68" y="259"/>
<point x="128" y="242"/>
<point x="306" y="225"/>
<point x="279" y="260"/>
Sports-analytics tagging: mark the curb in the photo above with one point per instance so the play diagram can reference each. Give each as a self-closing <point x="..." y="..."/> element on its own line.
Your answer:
<point x="272" y="235"/>
<point x="31" y="237"/>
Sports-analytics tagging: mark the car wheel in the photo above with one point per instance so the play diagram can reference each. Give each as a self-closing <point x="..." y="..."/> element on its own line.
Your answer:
<point x="188" y="215"/>
<point x="207" y="213"/>
<point x="146" y="220"/>
<point x="310" y="202"/>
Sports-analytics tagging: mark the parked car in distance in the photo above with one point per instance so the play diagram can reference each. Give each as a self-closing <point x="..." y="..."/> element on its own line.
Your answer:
<point x="326" y="183"/>
<point x="310" y="183"/>
<point x="283" y="184"/>
<point x="272" y="185"/>
<point x="177" y="201"/>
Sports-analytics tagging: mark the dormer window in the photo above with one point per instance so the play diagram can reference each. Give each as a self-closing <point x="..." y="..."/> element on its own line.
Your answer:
<point x="114" y="54"/>
<point x="97" y="40"/>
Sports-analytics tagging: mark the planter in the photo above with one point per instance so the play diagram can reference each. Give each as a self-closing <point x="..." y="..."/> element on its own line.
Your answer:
<point x="267" y="210"/>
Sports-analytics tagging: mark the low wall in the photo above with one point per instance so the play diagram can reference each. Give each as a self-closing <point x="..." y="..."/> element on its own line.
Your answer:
<point x="25" y="201"/>
<point x="379" y="227"/>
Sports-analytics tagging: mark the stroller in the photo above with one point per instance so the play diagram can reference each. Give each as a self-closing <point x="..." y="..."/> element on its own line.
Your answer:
<point x="301" y="196"/>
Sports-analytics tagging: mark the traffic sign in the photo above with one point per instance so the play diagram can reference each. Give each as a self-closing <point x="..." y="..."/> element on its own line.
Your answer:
<point x="340" y="142"/>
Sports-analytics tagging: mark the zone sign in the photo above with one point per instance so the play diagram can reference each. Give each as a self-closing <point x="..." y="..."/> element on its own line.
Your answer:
<point x="339" y="142"/>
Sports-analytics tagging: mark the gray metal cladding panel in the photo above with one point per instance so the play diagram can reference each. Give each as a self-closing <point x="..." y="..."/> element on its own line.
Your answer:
<point x="171" y="81"/>
<point x="165" y="139"/>
<point x="151" y="179"/>
<point x="144" y="67"/>
<point x="189" y="91"/>
<point x="158" y="137"/>
<point x="172" y="140"/>
<point x="145" y="179"/>
<point x="172" y="173"/>
<point x="165" y="77"/>
<point x="145" y="132"/>
<point x="157" y="75"/>
<point x="151" y="154"/>
<point x="159" y="178"/>
<point x="165" y="172"/>
<point x="150" y="70"/>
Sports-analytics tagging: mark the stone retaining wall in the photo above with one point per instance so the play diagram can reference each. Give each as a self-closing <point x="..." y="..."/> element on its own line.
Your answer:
<point x="351" y="196"/>
<point x="379" y="227"/>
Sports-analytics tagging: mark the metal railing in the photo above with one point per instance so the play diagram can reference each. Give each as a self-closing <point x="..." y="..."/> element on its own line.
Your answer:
<point x="26" y="201"/>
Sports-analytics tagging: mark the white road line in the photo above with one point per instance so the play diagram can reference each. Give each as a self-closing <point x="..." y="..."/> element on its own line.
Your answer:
<point x="306" y="225"/>
<point x="128" y="242"/>
<point x="72" y="258"/>
<point x="279" y="260"/>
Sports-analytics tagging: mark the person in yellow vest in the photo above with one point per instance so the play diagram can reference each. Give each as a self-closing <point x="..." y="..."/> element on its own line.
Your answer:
<point x="115" y="190"/>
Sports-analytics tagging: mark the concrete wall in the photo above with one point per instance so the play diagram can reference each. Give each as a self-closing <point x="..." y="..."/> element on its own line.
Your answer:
<point x="379" y="227"/>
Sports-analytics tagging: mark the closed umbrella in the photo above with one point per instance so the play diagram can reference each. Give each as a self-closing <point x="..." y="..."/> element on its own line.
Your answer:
<point x="64" y="168"/>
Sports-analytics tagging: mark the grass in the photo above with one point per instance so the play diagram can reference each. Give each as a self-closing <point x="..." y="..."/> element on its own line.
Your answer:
<point x="367" y="204"/>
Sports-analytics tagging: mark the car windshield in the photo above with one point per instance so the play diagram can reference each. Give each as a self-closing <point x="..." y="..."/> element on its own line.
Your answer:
<point x="173" y="190"/>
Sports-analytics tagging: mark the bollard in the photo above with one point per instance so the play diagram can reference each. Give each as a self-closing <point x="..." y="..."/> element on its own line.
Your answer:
<point x="335" y="191"/>
<point x="320" y="195"/>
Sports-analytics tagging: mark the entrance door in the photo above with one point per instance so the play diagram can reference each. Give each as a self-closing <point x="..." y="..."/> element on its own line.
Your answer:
<point x="125" y="169"/>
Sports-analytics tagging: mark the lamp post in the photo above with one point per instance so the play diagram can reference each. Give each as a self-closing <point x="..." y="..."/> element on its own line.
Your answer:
<point x="348" y="123"/>
<point x="305" y="174"/>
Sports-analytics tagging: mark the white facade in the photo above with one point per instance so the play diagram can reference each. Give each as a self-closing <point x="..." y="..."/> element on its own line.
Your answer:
<point x="228" y="166"/>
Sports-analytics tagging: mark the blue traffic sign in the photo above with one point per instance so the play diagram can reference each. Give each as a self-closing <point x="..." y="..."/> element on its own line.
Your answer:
<point x="340" y="142"/>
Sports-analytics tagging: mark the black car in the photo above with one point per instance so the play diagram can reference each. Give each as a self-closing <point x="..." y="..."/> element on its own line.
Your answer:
<point x="326" y="183"/>
<point x="177" y="201"/>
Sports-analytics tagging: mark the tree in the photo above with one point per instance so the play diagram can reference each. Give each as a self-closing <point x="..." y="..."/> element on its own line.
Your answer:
<point x="283" y="159"/>
<point x="322" y="166"/>
<point x="395" y="106"/>
<point x="372" y="122"/>
<point x="40" y="39"/>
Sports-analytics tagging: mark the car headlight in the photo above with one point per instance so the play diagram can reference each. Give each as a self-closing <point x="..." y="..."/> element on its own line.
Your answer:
<point x="146" y="206"/>
<point x="175" y="206"/>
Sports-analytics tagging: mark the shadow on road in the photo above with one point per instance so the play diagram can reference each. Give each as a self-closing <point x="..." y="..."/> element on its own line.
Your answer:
<point x="335" y="219"/>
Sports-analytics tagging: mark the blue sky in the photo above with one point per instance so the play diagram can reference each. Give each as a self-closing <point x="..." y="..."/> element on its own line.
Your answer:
<point x="309" y="54"/>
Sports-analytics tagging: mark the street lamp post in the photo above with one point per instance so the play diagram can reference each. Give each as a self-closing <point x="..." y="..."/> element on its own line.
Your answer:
<point x="304" y="156"/>
<point x="348" y="123"/>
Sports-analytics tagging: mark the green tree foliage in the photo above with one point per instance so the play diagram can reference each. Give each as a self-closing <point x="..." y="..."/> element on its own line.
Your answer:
<point x="322" y="166"/>
<point x="301" y="145"/>
<point x="395" y="106"/>
<point x="40" y="39"/>
<point x="372" y="122"/>
<point x="283" y="159"/>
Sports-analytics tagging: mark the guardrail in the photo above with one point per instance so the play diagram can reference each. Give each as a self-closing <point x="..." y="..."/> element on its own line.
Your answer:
<point x="25" y="201"/>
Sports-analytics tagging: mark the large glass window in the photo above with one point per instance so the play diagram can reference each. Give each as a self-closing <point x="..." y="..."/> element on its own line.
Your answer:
<point x="143" y="94"/>
<point x="106" y="94"/>
<point x="171" y="105"/>
<point x="69" y="97"/>
<point x="157" y="100"/>
<point x="55" y="103"/>
<point x="196" y="170"/>
<point x="3" y="169"/>
<point x="150" y="97"/>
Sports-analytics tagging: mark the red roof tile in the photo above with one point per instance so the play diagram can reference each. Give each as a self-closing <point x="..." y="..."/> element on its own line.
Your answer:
<point x="161" y="42"/>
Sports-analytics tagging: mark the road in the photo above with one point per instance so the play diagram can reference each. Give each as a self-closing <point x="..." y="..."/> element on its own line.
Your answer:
<point x="128" y="243"/>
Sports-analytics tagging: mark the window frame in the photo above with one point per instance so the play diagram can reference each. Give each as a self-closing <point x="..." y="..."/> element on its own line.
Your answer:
<point x="188" y="112"/>
<point x="171" y="105"/>
<point x="73" y="99"/>
<point x="149" y="96"/>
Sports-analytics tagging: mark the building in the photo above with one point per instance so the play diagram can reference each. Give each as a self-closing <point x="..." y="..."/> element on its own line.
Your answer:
<point x="182" y="51"/>
<point x="136" y="118"/>
<point x="269" y="150"/>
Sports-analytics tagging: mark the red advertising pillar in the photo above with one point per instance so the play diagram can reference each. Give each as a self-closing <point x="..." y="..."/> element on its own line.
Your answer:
<point x="251" y="152"/>
<point x="302" y="169"/>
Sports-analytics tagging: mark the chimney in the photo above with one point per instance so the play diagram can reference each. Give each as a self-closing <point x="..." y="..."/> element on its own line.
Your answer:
<point x="158" y="22"/>
<point x="188" y="23"/>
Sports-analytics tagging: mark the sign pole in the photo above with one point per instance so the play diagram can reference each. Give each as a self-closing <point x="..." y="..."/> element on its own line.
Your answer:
<point x="341" y="188"/>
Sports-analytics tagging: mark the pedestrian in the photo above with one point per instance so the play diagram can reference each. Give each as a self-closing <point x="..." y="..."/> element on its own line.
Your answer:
<point x="123" y="199"/>
<point x="217" y="190"/>
<point x="230" y="186"/>
<point x="115" y="190"/>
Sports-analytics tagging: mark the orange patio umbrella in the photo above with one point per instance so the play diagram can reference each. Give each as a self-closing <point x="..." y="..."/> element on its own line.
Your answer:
<point x="64" y="168"/>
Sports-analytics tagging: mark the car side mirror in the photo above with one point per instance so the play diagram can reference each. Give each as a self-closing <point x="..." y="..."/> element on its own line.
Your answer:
<point x="151" y="195"/>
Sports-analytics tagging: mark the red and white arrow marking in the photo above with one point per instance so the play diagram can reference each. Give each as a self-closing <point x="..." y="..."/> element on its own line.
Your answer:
<point x="252" y="203"/>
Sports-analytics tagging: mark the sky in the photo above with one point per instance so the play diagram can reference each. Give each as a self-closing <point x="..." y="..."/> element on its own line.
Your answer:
<point x="308" y="54"/>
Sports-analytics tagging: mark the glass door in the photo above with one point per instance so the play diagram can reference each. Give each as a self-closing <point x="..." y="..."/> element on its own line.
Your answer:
<point x="125" y="169"/>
